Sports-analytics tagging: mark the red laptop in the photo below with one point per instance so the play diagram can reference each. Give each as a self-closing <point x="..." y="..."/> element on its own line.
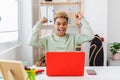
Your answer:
<point x="65" y="63"/>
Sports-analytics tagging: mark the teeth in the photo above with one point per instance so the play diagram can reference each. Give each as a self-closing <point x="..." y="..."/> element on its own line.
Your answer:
<point x="61" y="30"/>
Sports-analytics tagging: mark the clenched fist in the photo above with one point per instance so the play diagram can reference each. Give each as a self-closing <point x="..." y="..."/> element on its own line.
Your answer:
<point x="43" y="20"/>
<point x="79" y="16"/>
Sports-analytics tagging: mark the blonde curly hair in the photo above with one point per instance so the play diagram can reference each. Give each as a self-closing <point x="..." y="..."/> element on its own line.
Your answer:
<point x="61" y="14"/>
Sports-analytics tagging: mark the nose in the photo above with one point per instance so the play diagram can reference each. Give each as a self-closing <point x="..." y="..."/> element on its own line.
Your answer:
<point x="61" y="25"/>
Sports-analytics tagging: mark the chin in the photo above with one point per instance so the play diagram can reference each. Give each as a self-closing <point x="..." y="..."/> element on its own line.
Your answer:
<point x="61" y="35"/>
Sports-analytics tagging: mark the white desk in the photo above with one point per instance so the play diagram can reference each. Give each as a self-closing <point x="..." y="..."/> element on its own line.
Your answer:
<point x="103" y="73"/>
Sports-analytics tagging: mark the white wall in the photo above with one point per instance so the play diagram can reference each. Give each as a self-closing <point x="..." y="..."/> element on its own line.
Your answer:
<point x="113" y="22"/>
<point x="35" y="9"/>
<point x="25" y="51"/>
<point x="10" y="53"/>
<point x="95" y="12"/>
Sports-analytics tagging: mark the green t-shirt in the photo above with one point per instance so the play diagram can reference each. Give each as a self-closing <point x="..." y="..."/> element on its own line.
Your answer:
<point x="53" y="42"/>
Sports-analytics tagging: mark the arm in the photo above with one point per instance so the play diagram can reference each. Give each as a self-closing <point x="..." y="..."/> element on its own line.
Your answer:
<point x="35" y="41"/>
<point x="87" y="31"/>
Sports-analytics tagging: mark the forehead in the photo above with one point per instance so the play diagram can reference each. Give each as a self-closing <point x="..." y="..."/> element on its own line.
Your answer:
<point x="61" y="20"/>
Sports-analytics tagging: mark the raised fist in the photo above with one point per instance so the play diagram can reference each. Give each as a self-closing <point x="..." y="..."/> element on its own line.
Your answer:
<point x="78" y="16"/>
<point x="44" y="20"/>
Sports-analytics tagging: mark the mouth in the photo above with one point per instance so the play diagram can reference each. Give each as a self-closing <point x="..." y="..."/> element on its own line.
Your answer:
<point x="61" y="32"/>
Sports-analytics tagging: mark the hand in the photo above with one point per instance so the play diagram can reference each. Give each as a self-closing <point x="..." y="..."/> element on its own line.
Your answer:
<point x="79" y="16"/>
<point x="43" y="20"/>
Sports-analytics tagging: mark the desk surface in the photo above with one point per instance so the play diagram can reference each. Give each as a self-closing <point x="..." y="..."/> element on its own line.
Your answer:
<point x="103" y="73"/>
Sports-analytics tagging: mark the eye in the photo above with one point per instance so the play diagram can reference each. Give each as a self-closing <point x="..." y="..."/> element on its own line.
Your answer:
<point x="58" y="24"/>
<point x="64" y="23"/>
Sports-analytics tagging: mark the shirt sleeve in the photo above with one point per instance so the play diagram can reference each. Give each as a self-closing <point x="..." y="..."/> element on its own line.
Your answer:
<point x="87" y="34"/>
<point x="35" y="41"/>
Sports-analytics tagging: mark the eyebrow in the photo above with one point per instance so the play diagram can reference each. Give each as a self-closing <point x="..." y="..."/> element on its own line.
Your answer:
<point x="61" y="23"/>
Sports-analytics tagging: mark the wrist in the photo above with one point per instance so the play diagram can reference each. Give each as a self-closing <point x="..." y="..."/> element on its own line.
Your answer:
<point x="81" y="18"/>
<point x="41" y="21"/>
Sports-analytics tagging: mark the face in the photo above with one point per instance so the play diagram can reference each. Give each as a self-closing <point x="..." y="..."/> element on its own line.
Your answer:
<point x="61" y="25"/>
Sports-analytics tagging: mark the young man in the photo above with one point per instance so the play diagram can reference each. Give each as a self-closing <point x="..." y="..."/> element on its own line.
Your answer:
<point x="60" y="40"/>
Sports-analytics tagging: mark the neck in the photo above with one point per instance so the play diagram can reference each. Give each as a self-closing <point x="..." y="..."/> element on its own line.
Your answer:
<point x="61" y="35"/>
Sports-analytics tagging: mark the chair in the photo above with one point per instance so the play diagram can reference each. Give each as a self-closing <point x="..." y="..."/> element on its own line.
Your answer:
<point x="12" y="70"/>
<point x="96" y="57"/>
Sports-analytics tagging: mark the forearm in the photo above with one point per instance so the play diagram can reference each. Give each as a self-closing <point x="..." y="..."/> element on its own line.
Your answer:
<point x="35" y="35"/>
<point x="87" y="33"/>
<point x="87" y="29"/>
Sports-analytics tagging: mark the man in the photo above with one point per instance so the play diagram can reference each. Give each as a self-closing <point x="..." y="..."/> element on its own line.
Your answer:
<point x="60" y="40"/>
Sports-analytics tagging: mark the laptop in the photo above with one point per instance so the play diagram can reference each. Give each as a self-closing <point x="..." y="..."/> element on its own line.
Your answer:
<point x="65" y="63"/>
<point x="12" y="70"/>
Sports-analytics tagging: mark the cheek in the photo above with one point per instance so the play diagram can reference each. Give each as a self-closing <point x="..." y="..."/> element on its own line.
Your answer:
<point x="66" y="26"/>
<point x="56" y="28"/>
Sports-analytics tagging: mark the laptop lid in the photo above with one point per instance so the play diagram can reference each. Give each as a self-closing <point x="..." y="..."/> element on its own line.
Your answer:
<point x="65" y="63"/>
<point x="12" y="70"/>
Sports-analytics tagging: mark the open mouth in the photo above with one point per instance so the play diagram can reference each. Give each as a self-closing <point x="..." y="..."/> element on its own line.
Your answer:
<point x="61" y="32"/>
